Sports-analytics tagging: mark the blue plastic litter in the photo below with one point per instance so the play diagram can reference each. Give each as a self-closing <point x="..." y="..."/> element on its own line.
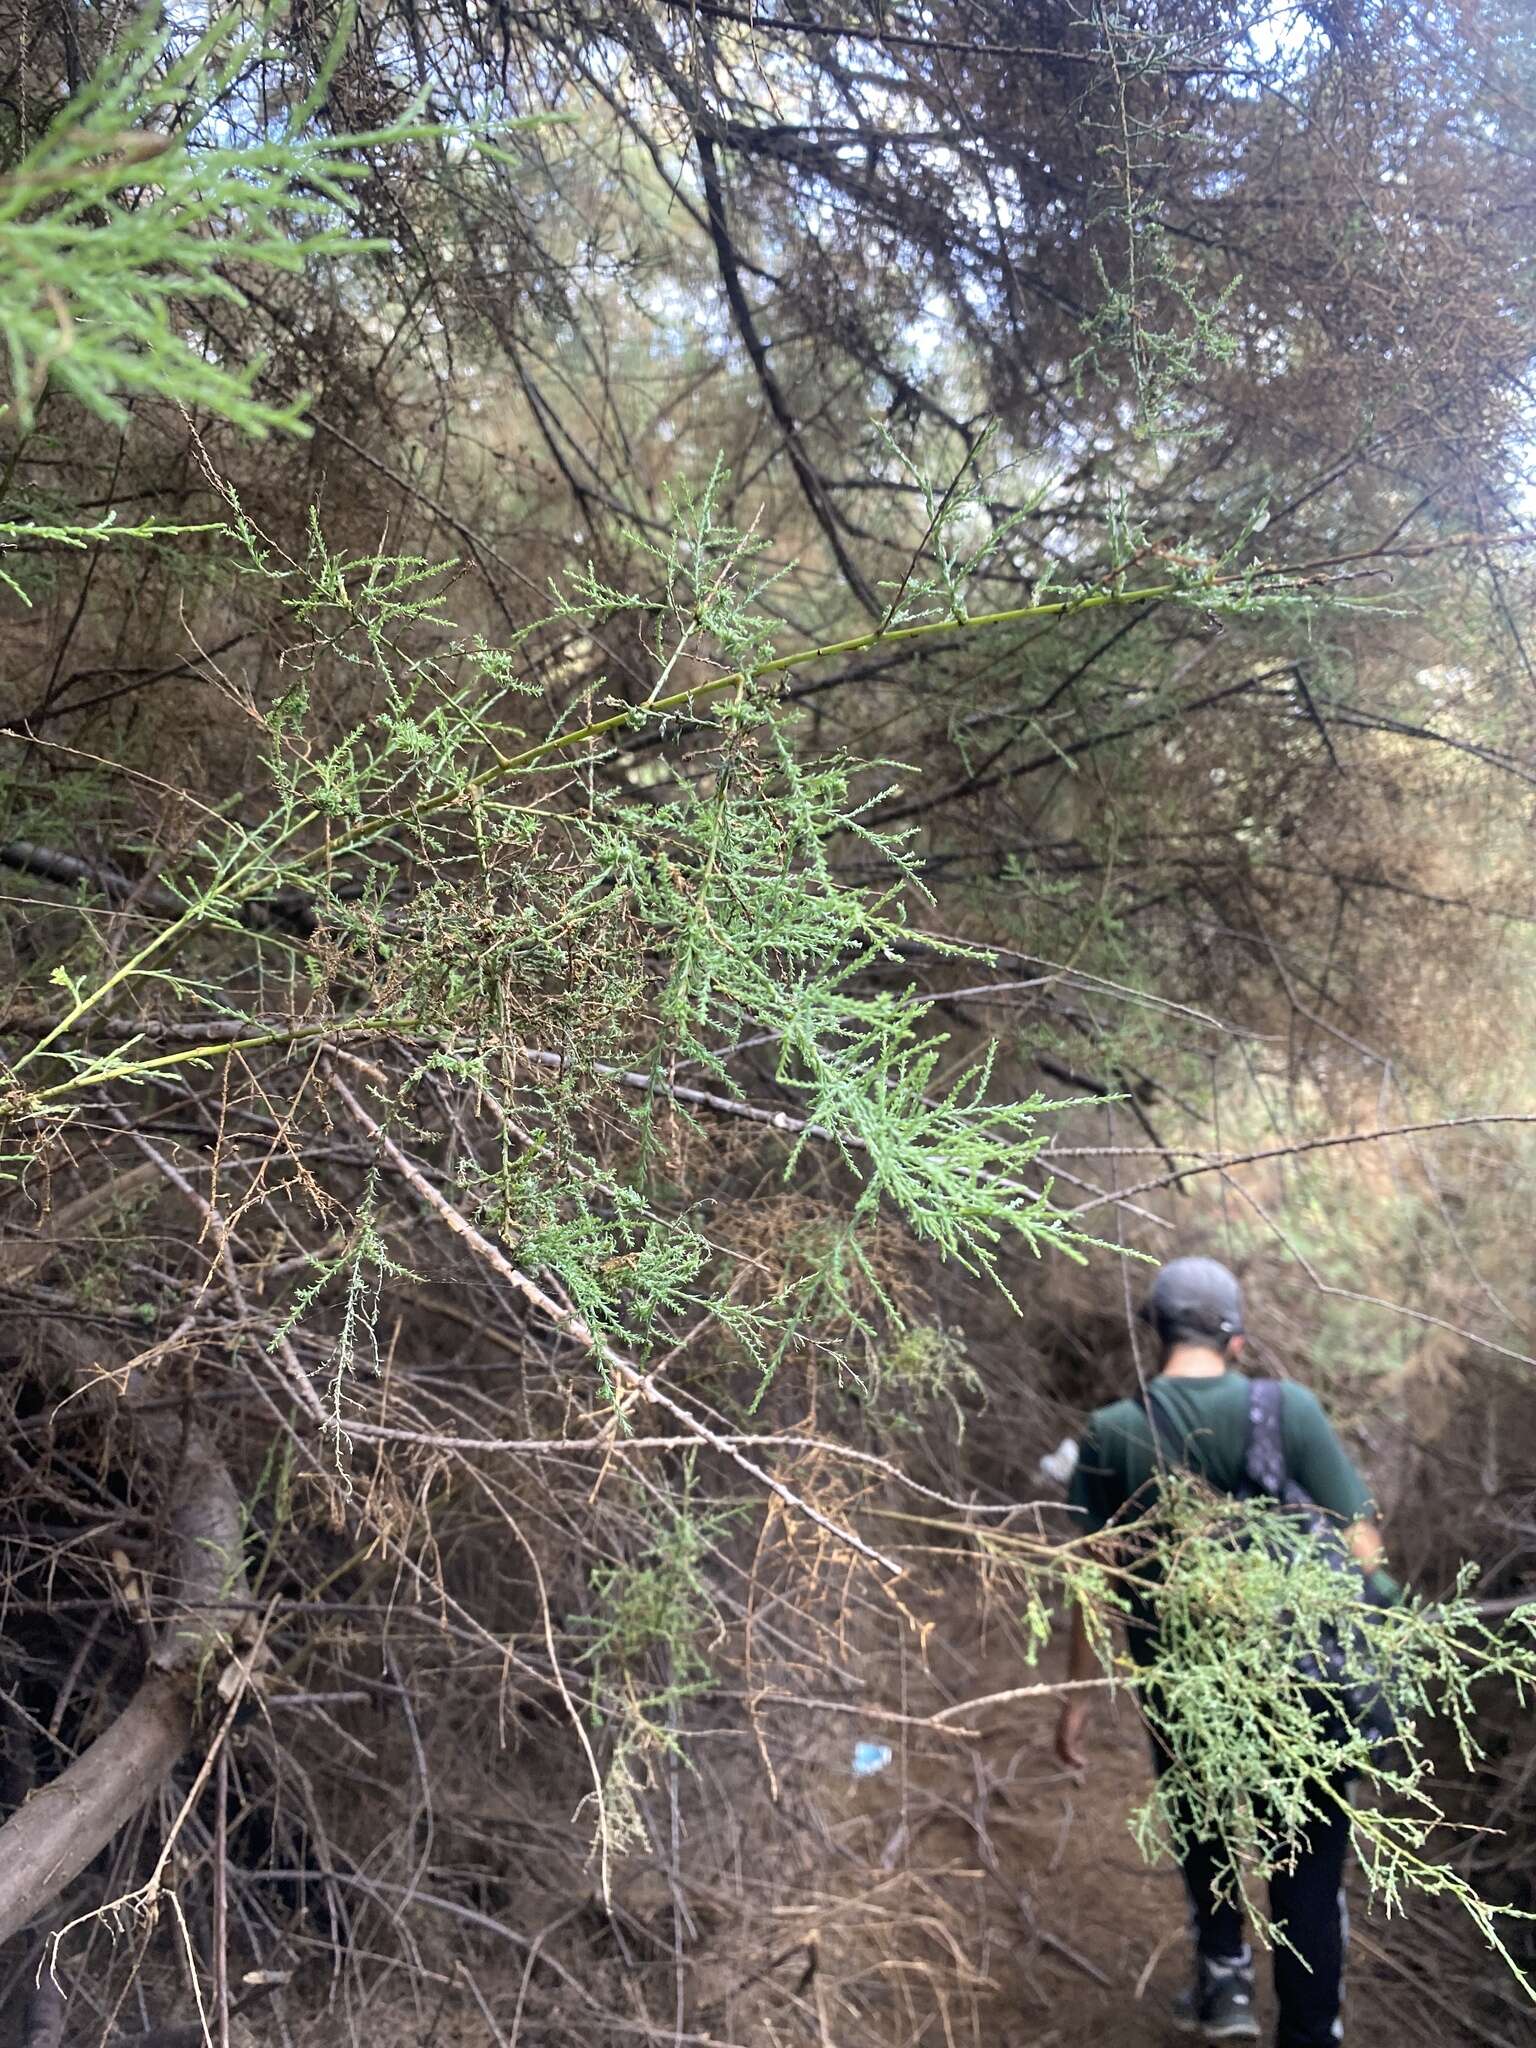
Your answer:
<point x="869" y="1758"/>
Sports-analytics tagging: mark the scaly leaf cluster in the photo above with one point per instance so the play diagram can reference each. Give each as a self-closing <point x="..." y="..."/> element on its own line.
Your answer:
<point x="1243" y="1599"/>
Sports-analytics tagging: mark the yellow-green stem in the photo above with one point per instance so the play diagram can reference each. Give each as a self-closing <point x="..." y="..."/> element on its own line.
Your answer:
<point x="860" y="643"/>
<point x="137" y="961"/>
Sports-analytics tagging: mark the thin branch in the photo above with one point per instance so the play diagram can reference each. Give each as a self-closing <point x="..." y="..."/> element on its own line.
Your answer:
<point x="1330" y="1143"/>
<point x="614" y="1362"/>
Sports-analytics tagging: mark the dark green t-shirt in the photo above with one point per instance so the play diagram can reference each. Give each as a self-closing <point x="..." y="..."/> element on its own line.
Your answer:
<point x="1116" y="1457"/>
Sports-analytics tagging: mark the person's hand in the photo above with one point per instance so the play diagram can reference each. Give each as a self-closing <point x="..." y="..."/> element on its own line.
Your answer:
<point x="1070" y="1723"/>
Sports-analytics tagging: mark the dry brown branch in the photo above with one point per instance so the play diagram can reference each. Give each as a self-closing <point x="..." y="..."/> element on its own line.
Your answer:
<point x="1396" y="1308"/>
<point x="218" y="1227"/>
<point x="1223" y="1165"/>
<point x="621" y="1368"/>
<point x="50" y="1840"/>
<point x="21" y="1258"/>
<point x="618" y="1440"/>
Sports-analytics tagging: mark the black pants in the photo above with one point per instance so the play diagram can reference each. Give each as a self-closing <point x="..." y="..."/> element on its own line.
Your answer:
<point x="1306" y="1903"/>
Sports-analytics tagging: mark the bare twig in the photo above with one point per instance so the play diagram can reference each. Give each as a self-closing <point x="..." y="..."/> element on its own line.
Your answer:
<point x="1206" y="1164"/>
<point x="613" y="1361"/>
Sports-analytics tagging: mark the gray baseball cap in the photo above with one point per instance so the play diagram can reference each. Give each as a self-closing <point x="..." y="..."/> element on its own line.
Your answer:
<point x="1196" y="1294"/>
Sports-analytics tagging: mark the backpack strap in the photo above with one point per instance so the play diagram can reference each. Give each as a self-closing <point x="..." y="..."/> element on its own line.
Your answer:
<point x="1264" y="1464"/>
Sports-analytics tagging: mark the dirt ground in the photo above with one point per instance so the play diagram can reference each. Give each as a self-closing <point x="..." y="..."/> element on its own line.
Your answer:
<point x="1041" y="1900"/>
<point x="968" y="1895"/>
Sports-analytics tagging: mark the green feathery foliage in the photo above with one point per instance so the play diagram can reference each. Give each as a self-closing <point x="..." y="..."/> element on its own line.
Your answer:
<point x="145" y="198"/>
<point x="522" y="940"/>
<point x="1242" y="1599"/>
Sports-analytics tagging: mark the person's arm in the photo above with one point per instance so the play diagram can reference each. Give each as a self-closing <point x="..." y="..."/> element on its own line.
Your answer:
<point x="1096" y="1495"/>
<point x="1364" y="1540"/>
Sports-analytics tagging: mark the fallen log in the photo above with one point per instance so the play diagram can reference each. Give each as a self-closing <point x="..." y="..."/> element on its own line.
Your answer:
<point x="65" y="1824"/>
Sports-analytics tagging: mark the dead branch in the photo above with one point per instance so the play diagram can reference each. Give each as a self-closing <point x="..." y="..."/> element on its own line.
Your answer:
<point x="50" y="1840"/>
<point x="622" y="1368"/>
<point x="1292" y="1151"/>
<point x="22" y="1257"/>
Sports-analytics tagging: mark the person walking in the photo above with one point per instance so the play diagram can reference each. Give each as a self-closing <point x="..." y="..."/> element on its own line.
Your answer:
<point x="1203" y="1405"/>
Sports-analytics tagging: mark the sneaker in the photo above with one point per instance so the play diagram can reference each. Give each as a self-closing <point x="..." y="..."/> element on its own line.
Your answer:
<point x="1220" y="2006"/>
